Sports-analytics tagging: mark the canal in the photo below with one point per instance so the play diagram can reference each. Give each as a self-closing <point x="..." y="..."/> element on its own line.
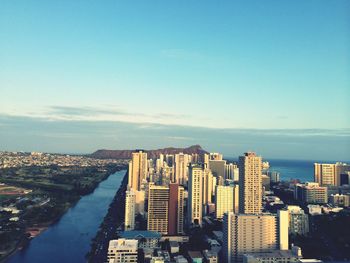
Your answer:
<point x="69" y="239"/>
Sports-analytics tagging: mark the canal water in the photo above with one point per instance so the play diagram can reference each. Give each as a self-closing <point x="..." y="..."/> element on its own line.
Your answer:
<point x="68" y="240"/>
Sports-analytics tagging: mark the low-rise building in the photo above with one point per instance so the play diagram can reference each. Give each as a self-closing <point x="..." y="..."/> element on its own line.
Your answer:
<point x="311" y="193"/>
<point x="298" y="220"/>
<point x="340" y="200"/>
<point x="315" y="210"/>
<point x="122" y="250"/>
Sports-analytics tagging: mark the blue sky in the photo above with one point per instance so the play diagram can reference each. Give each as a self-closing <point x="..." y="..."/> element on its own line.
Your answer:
<point x="195" y="68"/>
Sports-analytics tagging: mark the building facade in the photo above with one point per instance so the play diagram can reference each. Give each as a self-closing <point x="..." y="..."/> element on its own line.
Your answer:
<point x="158" y="208"/>
<point x="195" y="195"/>
<point x="130" y="203"/>
<point x="250" y="183"/>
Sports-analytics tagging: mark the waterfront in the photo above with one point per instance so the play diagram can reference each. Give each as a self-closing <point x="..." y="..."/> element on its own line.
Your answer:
<point x="69" y="239"/>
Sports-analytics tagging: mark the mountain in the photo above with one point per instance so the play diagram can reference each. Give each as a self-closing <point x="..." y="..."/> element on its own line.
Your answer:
<point x="126" y="154"/>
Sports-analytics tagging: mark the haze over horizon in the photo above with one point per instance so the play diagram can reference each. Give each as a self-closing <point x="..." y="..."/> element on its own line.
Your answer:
<point x="271" y="77"/>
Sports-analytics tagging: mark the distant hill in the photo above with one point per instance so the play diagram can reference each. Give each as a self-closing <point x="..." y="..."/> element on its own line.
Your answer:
<point x="126" y="154"/>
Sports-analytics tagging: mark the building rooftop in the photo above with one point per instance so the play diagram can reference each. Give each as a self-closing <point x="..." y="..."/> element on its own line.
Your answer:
<point x="273" y="254"/>
<point x="195" y="254"/>
<point x="122" y="243"/>
<point x="137" y="234"/>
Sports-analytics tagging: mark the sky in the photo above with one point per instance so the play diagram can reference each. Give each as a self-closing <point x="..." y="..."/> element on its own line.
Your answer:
<point x="269" y="76"/>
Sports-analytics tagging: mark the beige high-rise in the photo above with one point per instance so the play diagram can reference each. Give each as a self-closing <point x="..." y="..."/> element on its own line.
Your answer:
<point x="324" y="174"/>
<point x="137" y="170"/>
<point x="195" y="195"/>
<point x="250" y="183"/>
<point x="158" y="207"/>
<point x="207" y="187"/>
<point x="329" y="174"/>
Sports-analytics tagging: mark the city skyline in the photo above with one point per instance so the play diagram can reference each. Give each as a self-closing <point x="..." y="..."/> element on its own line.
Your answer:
<point x="269" y="77"/>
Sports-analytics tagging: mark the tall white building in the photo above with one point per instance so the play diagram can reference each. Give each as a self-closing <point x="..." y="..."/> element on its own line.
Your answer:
<point x="195" y="195"/>
<point x="122" y="251"/>
<point x="181" y="168"/>
<point x="207" y="187"/>
<point x="130" y="203"/>
<point x="226" y="200"/>
<point x="250" y="183"/>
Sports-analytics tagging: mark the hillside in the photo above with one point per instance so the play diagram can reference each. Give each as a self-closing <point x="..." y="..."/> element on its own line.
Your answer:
<point x="126" y="154"/>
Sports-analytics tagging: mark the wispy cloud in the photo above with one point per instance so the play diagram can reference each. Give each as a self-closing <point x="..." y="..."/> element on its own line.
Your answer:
<point x="83" y="111"/>
<point x="61" y="135"/>
<point x="110" y="113"/>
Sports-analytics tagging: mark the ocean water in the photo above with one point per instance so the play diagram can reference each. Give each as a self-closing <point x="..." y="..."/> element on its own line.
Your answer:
<point x="293" y="169"/>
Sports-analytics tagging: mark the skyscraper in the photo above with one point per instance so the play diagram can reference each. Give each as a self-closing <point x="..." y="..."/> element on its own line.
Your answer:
<point x="130" y="203"/>
<point x="218" y="168"/>
<point x="195" y="195"/>
<point x="225" y="200"/>
<point x="181" y="168"/>
<point x="158" y="208"/>
<point x="137" y="170"/>
<point x="250" y="184"/>
<point x="207" y="187"/>
<point x="176" y="209"/>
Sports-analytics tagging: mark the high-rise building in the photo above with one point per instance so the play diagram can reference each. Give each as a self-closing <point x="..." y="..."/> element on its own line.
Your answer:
<point x="207" y="187"/>
<point x="330" y="174"/>
<point x="251" y="233"/>
<point x="137" y="170"/>
<point x="342" y="170"/>
<point x="158" y="208"/>
<point x="250" y="183"/>
<point x="122" y="251"/>
<point x="226" y="200"/>
<point x="218" y="168"/>
<point x="274" y="176"/>
<point x="130" y="203"/>
<point x="324" y="174"/>
<point x="215" y="156"/>
<point x="176" y="209"/>
<point x="180" y="211"/>
<point x="231" y="172"/>
<point x="181" y="168"/>
<point x="298" y="220"/>
<point x="195" y="195"/>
